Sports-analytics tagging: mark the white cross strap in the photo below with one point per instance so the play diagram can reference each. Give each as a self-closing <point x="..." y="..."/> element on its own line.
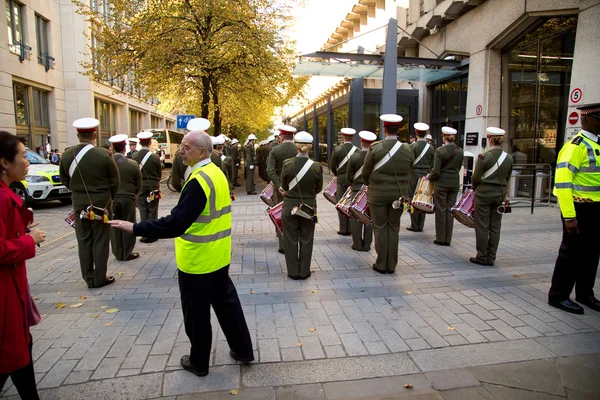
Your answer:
<point x="78" y="158"/>
<point x="388" y="156"/>
<point x="357" y="174"/>
<point x="345" y="160"/>
<point x="146" y="157"/>
<point x="300" y="175"/>
<point x="495" y="167"/>
<point x="422" y="154"/>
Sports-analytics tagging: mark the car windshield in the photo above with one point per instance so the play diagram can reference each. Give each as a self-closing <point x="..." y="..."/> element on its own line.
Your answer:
<point x="35" y="158"/>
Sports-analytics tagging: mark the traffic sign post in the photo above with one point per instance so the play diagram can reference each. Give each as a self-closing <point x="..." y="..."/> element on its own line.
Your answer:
<point x="576" y="95"/>
<point x="573" y="118"/>
<point x="183" y="119"/>
<point x="478" y="109"/>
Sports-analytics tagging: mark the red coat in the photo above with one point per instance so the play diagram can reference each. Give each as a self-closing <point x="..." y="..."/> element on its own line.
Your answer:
<point x="15" y="248"/>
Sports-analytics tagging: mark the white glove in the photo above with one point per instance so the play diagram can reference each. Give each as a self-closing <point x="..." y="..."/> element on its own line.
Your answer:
<point x="237" y="165"/>
<point x="252" y="167"/>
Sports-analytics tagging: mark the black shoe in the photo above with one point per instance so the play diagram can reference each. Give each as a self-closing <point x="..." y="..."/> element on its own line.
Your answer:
<point x="381" y="271"/>
<point x="344" y="233"/>
<point x="391" y="272"/>
<point x="294" y="277"/>
<point x="438" y="242"/>
<point x="479" y="261"/>
<point x="151" y="240"/>
<point x="144" y="240"/>
<point x="187" y="365"/>
<point x="244" y="360"/>
<point x="132" y="256"/>
<point x="250" y="192"/>
<point x="590" y="301"/>
<point x="281" y="251"/>
<point x="107" y="281"/>
<point x="567" y="305"/>
<point x="410" y="228"/>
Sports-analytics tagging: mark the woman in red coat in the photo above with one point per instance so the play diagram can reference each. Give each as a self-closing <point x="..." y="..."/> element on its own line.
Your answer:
<point x="17" y="244"/>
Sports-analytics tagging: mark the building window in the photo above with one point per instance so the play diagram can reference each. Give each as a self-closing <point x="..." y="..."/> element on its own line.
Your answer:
<point x="40" y="108"/>
<point x="169" y="124"/>
<point x="94" y="46"/>
<point x="155" y="122"/>
<point x="448" y="107"/>
<point x="21" y="104"/>
<point x="14" y="21"/>
<point x="31" y="101"/>
<point x="105" y="113"/>
<point x="41" y="33"/>
<point x="94" y="5"/>
<point x="135" y="122"/>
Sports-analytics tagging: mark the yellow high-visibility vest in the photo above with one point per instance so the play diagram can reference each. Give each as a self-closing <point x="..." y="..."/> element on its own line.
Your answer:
<point x="577" y="173"/>
<point x="206" y="245"/>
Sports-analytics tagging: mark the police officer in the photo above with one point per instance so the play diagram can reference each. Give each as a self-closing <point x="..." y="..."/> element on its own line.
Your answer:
<point x="301" y="180"/>
<point x="151" y="170"/>
<point x="249" y="163"/>
<point x="282" y="152"/>
<point x="362" y="235"/>
<point x="490" y="182"/>
<point x="423" y="153"/>
<point x="339" y="163"/>
<point x="122" y="243"/>
<point x="577" y="187"/>
<point x="235" y="158"/>
<point x="93" y="178"/>
<point x="133" y="142"/>
<point x="446" y="166"/>
<point x="386" y="171"/>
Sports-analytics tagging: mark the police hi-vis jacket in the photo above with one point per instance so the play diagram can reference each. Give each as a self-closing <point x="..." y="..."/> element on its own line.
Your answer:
<point x="578" y="173"/>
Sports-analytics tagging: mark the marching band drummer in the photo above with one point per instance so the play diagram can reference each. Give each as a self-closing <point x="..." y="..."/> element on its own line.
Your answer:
<point x="285" y="150"/>
<point x="339" y="162"/>
<point x="490" y="182"/>
<point x="362" y="234"/>
<point x="386" y="171"/>
<point x="445" y="175"/>
<point x="423" y="153"/>
<point x="301" y="180"/>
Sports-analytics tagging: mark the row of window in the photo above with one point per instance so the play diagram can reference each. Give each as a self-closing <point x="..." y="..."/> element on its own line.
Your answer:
<point x="15" y="22"/>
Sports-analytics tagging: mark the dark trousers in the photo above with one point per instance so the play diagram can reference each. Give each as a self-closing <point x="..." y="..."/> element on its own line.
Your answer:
<point x="198" y="293"/>
<point x="93" y="238"/>
<point x="417" y="218"/>
<point x="298" y="237"/>
<point x="344" y="222"/>
<point x="578" y="256"/>
<point x="121" y="242"/>
<point x="23" y="379"/>
<point x="386" y="225"/>
<point x="234" y="173"/>
<point x="250" y="186"/>
<point x="487" y="227"/>
<point x="362" y="235"/>
<point x="147" y="210"/>
<point x="444" y="199"/>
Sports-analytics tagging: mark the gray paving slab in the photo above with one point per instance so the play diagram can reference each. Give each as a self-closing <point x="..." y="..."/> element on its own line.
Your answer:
<point x="327" y="370"/>
<point x="452" y="379"/>
<point x="572" y="344"/>
<point x="507" y="393"/>
<point x="219" y="378"/>
<point x="581" y="372"/>
<point x="242" y="394"/>
<point x="301" y="392"/>
<point x="475" y="393"/>
<point x="378" y="388"/>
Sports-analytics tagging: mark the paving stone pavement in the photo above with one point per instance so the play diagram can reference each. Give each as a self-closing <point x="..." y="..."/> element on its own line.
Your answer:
<point x="437" y="315"/>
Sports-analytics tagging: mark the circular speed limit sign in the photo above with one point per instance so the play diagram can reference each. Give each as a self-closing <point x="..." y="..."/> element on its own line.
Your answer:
<point x="576" y="95"/>
<point x="478" y="109"/>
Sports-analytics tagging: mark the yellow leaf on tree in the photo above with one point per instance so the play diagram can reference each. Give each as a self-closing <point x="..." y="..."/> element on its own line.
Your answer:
<point x="109" y="323"/>
<point x="60" y="305"/>
<point x="112" y="311"/>
<point x="76" y="305"/>
<point x="312" y="329"/>
<point x="234" y="391"/>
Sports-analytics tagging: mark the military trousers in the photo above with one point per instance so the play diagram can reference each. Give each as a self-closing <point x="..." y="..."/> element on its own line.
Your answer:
<point x="362" y="235"/>
<point x="386" y="228"/>
<point x="250" y="186"/>
<point x="93" y="239"/>
<point x="444" y="198"/>
<point x="344" y="221"/>
<point x="417" y="218"/>
<point x="278" y="199"/>
<point x="147" y="210"/>
<point x="198" y="293"/>
<point x="577" y="262"/>
<point x="487" y="227"/>
<point x="298" y="237"/>
<point x="121" y="242"/>
<point x="234" y="173"/>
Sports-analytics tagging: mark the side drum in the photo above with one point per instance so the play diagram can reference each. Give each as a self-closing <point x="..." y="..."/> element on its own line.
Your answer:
<point x="330" y="191"/>
<point x="423" y="198"/>
<point x="345" y="202"/>
<point x="275" y="213"/>
<point x="360" y="208"/>
<point x="268" y="195"/>
<point x="463" y="209"/>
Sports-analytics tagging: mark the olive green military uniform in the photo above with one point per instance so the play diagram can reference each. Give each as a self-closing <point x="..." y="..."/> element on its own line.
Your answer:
<point x="446" y="166"/>
<point x="178" y="172"/>
<point x="260" y="158"/>
<point x="340" y="153"/>
<point x="489" y="194"/>
<point x="121" y="242"/>
<point x="362" y="235"/>
<point x="420" y="168"/>
<point x="226" y="168"/>
<point x="151" y="175"/>
<point x="95" y="180"/>
<point x="275" y="162"/>
<point x="299" y="232"/>
<point x="215" y="157"/>
<point x="386" y="185"/>
<point x="250" y="160"/>
<point x="235" y="164"/>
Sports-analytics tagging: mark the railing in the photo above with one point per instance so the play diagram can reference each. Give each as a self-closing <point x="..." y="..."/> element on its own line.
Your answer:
<point x="47" y="61"/>
<point x="21" y="49"/>
<point x="531" y="185"/>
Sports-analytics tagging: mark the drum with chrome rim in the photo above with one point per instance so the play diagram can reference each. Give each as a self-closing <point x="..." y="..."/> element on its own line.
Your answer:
<point x="360" y="208"/>
<point x="330" y="191"/>
<point x="463" y="209"/>
<point x="268" y="195"/>
<point x="423" y="198"/>
<point x="275" y="213"/>
<point x="345" y="202"/>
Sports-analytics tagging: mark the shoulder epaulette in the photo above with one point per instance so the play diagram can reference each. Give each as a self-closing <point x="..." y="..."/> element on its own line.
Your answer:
<point x="577" y="140"/>
<point x="375" y="144"/>
<point x="480" y="155"/>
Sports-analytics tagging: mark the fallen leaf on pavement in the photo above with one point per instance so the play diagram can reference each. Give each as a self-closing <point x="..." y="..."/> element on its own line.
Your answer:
<point x="95" y="315"/>
<point x="408" y="292"/>
<point x="234" y="391"/>
<point x="261" y="267"/>
<point x="312" y="329"/>
<point x="58" y="292"/>
<point x="67" y="271"/>
<point x="103" y="307"/>
<point x="112" y="311"/>
<point x="82" y="298"/>
<point x="76" y="305"/>
<point x="108" y="323"/>
<point x="315" y="290"/>
<point x="49" y="269"/>
<point x="516" y="275"/>
<point x="59" y="259"/>
<point x="408" y="386"/>
<point x="36" y="298"/>
<point x="252" y="292"/>
<point x="120" y="273"/>
<point x="450" y="328"/>
<point x="299" y="344"/>
<point x="313" y="270"/>
<point x="71" y="247"/>
<point x="60" y="305"/>
<point x="44" y="316"/>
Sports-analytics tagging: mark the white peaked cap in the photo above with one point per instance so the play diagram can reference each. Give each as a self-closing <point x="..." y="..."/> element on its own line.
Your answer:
<point x="287" y="129"/>
<point x="145" y="135"/>
<point x="86" y="124"/>
<point x="252" y="136"/>
<point x="217" y="140"/>
<point x="492" y="130"/>
<point x="276" y="133"/>
<point x="271" y="138"/>
<point x="446" y="130"/>
<point x="367" y="136"/>
<point x="118" y="139"/>
<point x="198" y="124"/>
<point x="303" y="137"/>
<point x="421" y="126"/>
<point x="390" y="119"/>
<point x="234" y="141"/>
<point x="428" y="136"/>
<point x="348" y="131"/>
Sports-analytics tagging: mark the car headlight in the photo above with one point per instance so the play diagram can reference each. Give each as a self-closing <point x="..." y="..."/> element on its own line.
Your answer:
<point x="36" y="178"/>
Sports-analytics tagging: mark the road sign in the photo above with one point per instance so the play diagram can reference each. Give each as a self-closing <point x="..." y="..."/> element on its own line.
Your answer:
<point x="573" y="118"/>
<point x="478" y="109"/>
<point x="183" y="119"/>
<point x="576" y="95"/>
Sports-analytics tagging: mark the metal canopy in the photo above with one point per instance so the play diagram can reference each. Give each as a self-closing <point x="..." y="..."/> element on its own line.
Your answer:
<point x="352" y="65"/>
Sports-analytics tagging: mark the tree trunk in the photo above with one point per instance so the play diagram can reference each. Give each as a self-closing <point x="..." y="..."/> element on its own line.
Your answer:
<point x="205" y="96"/>
<point x="217" y="117"/>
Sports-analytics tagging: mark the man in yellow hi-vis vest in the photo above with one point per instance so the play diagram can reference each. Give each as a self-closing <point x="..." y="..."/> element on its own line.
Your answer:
<point x="201" y="226"/>
<point x="577" y="187"/>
